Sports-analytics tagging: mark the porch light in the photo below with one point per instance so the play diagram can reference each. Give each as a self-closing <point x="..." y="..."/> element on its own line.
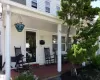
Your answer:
<point x="19" y="26"/>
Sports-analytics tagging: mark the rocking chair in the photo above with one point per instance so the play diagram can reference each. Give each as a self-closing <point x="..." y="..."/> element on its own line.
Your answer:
<point x="49" y="59"/>
<point x="20" y="63"/>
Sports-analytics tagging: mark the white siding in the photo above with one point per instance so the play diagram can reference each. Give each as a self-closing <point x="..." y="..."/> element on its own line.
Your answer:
<point x="41" y="5"/>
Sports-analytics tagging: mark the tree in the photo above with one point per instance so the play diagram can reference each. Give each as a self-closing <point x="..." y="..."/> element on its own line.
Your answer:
<point x="74" y="12"/>
<point x="86" y="47"/>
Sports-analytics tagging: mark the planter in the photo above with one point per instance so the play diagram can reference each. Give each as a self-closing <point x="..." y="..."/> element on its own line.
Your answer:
<point x="19" y="26"/>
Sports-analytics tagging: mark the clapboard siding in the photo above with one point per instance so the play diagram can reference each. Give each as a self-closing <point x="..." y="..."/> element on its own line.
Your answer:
<point x="41" y="5"/>
<point x="20" y="1"/>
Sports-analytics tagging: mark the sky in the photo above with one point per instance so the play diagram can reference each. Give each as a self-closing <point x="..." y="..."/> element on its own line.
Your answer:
<point x="96" y="3"/>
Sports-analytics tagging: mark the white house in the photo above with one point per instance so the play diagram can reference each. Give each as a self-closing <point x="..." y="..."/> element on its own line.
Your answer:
<point x="41" y="22"/>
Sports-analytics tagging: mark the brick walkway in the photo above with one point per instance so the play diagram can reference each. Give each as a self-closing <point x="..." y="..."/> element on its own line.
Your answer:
<point x="45" y="71"/>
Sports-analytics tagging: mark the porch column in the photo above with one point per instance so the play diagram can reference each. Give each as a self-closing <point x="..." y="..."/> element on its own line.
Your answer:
<point x="7" y="42"/>
<point x="59" y="65"/>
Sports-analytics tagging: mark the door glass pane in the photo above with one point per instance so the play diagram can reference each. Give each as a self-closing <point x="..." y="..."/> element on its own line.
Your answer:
<point x="31" y="46"/>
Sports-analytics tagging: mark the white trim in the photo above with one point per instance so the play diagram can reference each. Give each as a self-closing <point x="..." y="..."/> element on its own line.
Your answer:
<point x="31" y="29"/>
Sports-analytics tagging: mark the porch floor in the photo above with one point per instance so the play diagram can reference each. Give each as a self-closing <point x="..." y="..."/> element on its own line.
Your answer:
<point x="44" y="72"/>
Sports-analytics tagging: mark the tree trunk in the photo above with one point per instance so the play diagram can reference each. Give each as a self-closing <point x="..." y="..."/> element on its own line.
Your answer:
<point x="67" y="39"/>
<point x="73" y="70"/>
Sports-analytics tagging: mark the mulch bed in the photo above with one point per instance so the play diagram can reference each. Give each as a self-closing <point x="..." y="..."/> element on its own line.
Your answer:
<point x="87" y="70"/>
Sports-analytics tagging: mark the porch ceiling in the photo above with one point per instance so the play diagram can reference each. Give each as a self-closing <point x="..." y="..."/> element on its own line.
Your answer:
<point x="34" y="23"/>
<point x="38" y="24"/>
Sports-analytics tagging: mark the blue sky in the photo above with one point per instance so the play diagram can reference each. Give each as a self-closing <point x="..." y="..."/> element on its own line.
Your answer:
<point x="96" y="3"/>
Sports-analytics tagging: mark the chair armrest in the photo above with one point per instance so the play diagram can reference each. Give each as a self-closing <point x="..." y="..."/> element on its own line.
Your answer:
<point x="51" y="55"/>
<point x="54" y="55"/>
<point x="25" y="57"/>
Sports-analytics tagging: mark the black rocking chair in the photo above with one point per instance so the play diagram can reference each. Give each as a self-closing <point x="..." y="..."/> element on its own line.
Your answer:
<point x="49" y="59"/>
<point x="20" y="63"/>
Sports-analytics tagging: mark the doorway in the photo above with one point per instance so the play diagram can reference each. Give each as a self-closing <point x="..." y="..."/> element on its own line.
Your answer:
<point x="30" y="46"/>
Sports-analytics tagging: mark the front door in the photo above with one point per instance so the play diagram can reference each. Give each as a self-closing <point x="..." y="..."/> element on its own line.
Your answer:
<point x="30" y="46"/>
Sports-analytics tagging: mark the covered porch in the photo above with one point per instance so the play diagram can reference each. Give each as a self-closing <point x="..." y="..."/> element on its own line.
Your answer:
<point x="43" y="25"/>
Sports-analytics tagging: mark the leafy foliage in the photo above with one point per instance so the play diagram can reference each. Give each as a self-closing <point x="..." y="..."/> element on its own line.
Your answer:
<point x="91" y="74"/>
<point x="25" y="76"/>
<point x="96" y="61"/>
<point x="74" y="12"/>
<point x="86" y="46"/>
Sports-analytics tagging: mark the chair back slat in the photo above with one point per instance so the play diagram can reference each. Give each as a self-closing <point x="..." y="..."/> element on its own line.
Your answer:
<point x="47" y="52"/>
<point x="18" y="51"/>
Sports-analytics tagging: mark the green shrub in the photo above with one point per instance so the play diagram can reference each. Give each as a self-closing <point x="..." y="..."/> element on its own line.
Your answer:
<point x="96" y="61"/>
<point x="25" y="76"/>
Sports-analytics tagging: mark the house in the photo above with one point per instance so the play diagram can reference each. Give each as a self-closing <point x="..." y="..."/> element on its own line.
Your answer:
<point x="41" y="23"/>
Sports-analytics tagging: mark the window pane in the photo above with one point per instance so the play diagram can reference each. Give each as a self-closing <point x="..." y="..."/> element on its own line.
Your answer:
<point x="47" y="9"/>
<point x="54" y="47"/>
<point x="69" y="45"/>
<point x="34" y="4"/>
<point x="47" y="4"/>
<point x="63" y="47"/>
<point x="34" y="1"/>
<point x="63" y="39"/>
<point x="54" y="39"/>
<point x="69" y="40"/>
<point x="58" y="8"/>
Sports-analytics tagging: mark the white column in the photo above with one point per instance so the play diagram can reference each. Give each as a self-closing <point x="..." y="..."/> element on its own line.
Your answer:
<point x="59" y="63"/>
<point x="7" y="42"/>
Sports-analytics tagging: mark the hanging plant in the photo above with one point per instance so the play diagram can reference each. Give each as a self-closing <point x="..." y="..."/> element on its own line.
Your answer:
<point x="19" y="26"/>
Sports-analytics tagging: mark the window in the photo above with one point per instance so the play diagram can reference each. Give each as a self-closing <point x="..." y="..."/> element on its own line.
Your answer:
<point x="47" y="6"/>
<point x="34" y="3"/>
<point x="57" y="8"/>
<point x="69" y="43"/>
<point x="55" y="44"/>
